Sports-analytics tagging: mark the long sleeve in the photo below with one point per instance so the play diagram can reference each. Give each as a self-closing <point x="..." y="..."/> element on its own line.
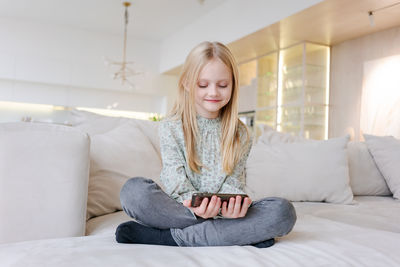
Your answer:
<point x="173" y="174"/>
<point x="235" y="183"/>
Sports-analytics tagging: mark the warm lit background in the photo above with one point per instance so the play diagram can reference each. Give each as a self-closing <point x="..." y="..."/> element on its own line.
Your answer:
<point x="314" y="68"/>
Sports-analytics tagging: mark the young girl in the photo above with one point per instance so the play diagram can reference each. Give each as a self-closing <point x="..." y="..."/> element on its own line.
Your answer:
<point x="204" y="148"/>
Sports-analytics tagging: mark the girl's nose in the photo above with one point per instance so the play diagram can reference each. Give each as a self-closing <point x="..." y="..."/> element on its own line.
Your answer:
<point x="213" y="90"/>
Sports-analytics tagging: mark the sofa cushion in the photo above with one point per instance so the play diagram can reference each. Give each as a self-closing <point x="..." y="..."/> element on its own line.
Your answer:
<point x="135" y="148"/>
<point x="116" y="156"/>
<point x="44" y="170"/>
<point x="386" y="152"/>
<point x="93" y="123"/>
<point x="300" y="171"/>
<point x="365" y="178"/>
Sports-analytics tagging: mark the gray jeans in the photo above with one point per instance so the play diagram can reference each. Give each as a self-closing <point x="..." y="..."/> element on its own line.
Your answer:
<point x="148" y="204"/>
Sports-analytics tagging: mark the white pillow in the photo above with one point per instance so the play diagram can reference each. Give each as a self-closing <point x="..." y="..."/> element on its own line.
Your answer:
<point x="116" y="156"/>
<point x="365" y="178"/>
<point x="386" y="152"/>
<point x="303" y="171"/>
<point x="93" y="123"/>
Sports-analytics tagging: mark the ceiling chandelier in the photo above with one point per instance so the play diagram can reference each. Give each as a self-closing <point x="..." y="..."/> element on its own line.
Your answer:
<point x="125" y="72"/>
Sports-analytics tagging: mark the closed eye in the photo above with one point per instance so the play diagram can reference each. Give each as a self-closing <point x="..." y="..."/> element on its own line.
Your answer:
<point x="202" y="84"/>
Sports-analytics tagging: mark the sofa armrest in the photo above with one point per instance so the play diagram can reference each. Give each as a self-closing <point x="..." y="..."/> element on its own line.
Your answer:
<point x="44" y="173"/>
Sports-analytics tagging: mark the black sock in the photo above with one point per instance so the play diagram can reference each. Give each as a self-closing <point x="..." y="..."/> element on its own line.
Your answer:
<point x="133" y="232"/>
<point x="264" y="244"/>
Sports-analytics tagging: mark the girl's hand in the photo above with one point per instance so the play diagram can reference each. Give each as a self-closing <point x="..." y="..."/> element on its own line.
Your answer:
<point x="234" y="209"/>
<point x="205" y="210"/>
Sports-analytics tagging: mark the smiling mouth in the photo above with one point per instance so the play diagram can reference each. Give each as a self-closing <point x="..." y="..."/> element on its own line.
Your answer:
<point x="212" y="100"/>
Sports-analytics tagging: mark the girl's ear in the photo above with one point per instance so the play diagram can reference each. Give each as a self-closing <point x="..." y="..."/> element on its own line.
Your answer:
<point x="185" y="85"/>
<point x="186" y="88"/>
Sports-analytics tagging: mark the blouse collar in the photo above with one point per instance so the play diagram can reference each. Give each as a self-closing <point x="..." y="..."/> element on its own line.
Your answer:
<point x="202" y="121"/>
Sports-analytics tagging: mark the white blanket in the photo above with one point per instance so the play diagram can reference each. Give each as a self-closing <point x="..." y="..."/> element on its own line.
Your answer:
<point x="364" y="234"/>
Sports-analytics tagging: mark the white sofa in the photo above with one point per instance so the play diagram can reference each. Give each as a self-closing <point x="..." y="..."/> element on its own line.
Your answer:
<point x="59" y="197"/>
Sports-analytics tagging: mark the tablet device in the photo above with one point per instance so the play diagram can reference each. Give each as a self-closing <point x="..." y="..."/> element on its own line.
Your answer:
<point x="197" y="198"/>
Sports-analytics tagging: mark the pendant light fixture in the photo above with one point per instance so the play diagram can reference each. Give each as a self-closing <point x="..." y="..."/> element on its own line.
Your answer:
<point x="125" y="72"/>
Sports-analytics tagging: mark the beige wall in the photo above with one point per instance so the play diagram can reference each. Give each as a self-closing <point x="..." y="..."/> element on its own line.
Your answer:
<point x="347" y="62"/>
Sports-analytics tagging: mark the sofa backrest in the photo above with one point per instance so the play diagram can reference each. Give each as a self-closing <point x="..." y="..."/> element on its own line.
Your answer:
<point x="44" y="170"/>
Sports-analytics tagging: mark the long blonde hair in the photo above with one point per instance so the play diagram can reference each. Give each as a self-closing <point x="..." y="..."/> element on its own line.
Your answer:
<point x="184" y="108"/>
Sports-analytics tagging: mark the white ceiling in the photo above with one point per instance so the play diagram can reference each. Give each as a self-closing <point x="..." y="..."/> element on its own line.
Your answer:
<point x="149" y="19"/>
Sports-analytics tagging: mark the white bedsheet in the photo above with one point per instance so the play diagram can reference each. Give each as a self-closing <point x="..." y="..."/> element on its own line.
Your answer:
<point x="364" y="234"/>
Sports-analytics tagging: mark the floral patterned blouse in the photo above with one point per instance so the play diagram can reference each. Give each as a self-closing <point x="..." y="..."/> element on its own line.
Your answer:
<point x="179" y="181"/>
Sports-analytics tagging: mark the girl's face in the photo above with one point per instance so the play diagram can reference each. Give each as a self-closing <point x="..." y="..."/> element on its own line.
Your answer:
<point x="214" y="88"/>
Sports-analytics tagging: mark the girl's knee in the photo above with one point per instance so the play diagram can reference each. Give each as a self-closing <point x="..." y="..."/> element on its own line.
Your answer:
<point x="283" y="212"/>
<point x="287" y="215"/>
<point x="135" y="189"/>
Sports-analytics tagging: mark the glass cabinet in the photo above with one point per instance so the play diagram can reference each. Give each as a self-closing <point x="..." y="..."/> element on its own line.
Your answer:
<point x="292" y="90"/>
<point x="267" y="91"/>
